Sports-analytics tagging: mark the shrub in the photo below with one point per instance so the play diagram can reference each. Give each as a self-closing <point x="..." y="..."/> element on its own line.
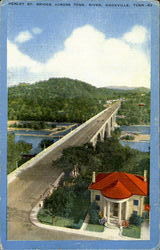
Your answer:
<point x="77" y="225"/>
<point x="94" y="213"/>
<point x="135" y="219"/>
<point x="45" y="216"/>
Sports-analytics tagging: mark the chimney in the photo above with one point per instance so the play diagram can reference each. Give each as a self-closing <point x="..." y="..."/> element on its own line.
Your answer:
<point x="94" y="177"/>
<point x="145" y="175"/>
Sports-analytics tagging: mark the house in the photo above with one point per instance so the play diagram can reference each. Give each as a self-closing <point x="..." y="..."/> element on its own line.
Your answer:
<point x="118" y="194"/>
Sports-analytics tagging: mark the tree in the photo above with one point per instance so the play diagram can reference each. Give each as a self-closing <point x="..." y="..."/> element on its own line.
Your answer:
<point x="60" y="202"/>
<point x="14" y="152"/>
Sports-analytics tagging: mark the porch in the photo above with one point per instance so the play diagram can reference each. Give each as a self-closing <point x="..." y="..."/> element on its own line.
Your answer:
<point x="115" y="210"/>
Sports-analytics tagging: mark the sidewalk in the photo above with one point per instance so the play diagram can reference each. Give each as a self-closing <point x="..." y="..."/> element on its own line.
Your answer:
<point x="145" y="232"/>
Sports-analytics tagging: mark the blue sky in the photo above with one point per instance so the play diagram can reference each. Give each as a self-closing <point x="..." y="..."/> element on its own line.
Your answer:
<point x="92" y="44"/>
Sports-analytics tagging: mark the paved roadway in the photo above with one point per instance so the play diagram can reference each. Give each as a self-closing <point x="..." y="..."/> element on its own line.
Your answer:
<point x="24" y="192"/>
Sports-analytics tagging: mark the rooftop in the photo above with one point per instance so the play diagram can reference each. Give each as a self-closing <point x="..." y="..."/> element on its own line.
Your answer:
<point x="118" y="185"/>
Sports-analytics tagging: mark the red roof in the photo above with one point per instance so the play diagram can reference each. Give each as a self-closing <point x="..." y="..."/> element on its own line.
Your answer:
<point x="118" y="185"/>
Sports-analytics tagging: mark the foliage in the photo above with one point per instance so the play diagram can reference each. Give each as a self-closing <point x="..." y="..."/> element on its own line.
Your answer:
<point x="15" y="150"/>
<point x="45" y="216"/>
<point x="61" y="221"/>
<point x="135" y="219"/>
<point x="127" y="137"/>
<point x="46" y="143"/>
<point x="133" y="113"/>
<point x="132" y="231"/>
<point x="116" y="133"/>
<point x="94" y="213"/>
<point x="69" y="204"/>
<point x="63" y="99"/>
<point x="60" y="202"/>
<point x="108" y="156"/>
<point x="77" y="225"/>
<point x="33" y="125"/>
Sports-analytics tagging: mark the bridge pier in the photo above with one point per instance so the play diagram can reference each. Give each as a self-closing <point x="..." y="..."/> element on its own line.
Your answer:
<point x="102" y="133"/>
<point x="108" y="129"/>
<point x="105" y="131"/>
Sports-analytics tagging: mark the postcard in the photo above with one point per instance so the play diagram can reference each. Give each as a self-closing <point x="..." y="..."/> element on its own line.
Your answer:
<point x="79" y="124"/>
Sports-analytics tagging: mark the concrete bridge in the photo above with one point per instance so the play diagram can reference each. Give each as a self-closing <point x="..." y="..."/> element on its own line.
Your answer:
<point x="106" y="125"/>
<point x="27" y="183"/>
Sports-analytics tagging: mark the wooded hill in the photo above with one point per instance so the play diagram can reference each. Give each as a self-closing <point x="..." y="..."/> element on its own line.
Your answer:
<point x="62" y="100"/>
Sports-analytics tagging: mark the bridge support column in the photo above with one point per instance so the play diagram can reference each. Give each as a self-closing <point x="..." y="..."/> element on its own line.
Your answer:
<point x="114" y="120"/>
<point x="113" y="123"/>
<point x="94" y="141"/>
<point x="108" y="129"/>
<point x="102" y="134"/>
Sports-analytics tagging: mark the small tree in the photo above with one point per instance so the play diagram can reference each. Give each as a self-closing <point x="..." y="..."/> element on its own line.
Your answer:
<point x="135" y="219"/>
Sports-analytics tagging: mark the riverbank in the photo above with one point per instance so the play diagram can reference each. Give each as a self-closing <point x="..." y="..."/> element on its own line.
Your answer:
<point x="52" y="132"/>
<point x="137" y="137"/>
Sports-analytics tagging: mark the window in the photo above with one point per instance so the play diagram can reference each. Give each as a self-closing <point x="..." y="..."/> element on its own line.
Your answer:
<point x="135" y="212"/>
<point x="97" y="197"/>
<point x="135" y="202"/>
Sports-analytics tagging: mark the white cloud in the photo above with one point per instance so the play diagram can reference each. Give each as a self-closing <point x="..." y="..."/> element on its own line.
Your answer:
<point x="137" y="35"/>
<point x="23" y="37"/>
<point x="36" y="30"/>
<point x="89" y="56"/>
<point x="18" y="60"/>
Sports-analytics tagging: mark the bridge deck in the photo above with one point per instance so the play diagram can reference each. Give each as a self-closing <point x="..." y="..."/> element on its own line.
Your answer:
<point x="24" y="192"/>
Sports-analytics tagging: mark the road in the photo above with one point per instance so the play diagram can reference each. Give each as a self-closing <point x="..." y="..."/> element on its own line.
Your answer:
<point x="24" y="192"/>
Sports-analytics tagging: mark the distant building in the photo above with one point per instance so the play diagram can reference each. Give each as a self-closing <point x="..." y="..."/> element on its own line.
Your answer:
<point x="109" y="102"/>
<point x="106" y="105"/>
<point x="119" y="194"/>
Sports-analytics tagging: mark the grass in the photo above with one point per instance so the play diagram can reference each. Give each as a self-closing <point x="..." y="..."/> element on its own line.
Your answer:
<point x="79" y="211"/>
<point x="46" y="217"/>
<point x="95" y="228"/>
<point x="63" y="222"/>
<point x="132" y="231"/>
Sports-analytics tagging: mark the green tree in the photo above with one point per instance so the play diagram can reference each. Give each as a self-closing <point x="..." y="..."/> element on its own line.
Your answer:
<point x="14" y="152"/>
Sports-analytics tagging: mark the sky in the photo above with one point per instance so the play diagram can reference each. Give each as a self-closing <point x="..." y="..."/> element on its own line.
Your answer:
<point x="101" y="46"/>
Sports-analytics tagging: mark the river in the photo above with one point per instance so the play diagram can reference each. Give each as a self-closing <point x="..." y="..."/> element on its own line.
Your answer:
<point x="144" y="145"/>
<point x="36" y="136"/>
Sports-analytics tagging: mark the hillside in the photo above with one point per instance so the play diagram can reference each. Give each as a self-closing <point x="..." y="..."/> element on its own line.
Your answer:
<point x="60" y="99"/>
